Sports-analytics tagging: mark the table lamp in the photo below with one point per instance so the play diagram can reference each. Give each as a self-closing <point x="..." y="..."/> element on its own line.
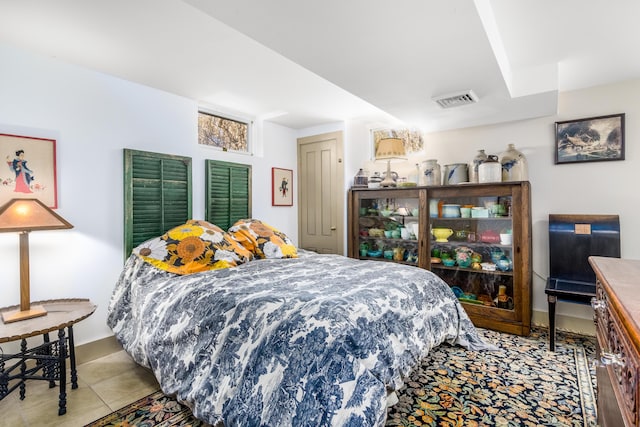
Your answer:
<point x="390" y="149"/>
<point x="23" y="216"/>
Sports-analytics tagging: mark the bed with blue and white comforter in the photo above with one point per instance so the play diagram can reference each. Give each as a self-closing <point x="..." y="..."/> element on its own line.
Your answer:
<point x="315" y="341"/>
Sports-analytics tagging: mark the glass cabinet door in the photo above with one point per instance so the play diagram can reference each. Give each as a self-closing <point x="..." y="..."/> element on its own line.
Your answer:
<point x="473" y="247"/>
<point x="388" y="226"/>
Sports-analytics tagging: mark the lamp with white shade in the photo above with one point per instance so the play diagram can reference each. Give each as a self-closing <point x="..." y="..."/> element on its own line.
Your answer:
<point x="390" y="149"/>
<point x="24" y="216"/>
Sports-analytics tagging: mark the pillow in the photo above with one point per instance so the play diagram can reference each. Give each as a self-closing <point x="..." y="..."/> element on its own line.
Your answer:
<point x="263" y="240"/>
<point x="193" y="247"/>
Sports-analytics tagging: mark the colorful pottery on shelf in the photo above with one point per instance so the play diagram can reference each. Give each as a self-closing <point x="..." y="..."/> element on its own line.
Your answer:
<point x="442" y="234"/>
<point x="504" y="264"/>
<point x="449" y="262"/>
<point x="450" y="211"/>
<point x="463" y="256"/>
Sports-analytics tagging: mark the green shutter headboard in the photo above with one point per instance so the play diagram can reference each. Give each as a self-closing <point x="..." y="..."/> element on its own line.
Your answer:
<point x="228" y="192"/>
<point x="157" y="195"/>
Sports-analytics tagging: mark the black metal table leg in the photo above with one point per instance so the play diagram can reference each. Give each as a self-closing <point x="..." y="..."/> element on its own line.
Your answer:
<point x="49" y="370"/>
<point x="23" y="369"/>
<point x="62" y="357"/>
<point x="72" y="359"/>
<point x="4" y="378"/>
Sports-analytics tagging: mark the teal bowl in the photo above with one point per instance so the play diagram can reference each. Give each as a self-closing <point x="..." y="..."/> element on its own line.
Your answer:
<point x="449" y="262"/>
<point x="375" y="254"/>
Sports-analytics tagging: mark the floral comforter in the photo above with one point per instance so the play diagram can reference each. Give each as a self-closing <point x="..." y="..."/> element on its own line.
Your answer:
<point x="315" y="341"/>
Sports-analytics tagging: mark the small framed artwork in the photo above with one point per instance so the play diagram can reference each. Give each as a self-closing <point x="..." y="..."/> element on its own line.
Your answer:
<point x="282" y="187"/>
<point x="593" y="139"/>
<point x="30" y="170"/>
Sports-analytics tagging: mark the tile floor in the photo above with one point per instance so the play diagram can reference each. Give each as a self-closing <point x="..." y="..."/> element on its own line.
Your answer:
<point x="104" y="385"/>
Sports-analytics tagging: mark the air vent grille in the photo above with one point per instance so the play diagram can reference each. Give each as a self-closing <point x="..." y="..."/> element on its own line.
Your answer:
<point x="456" y="99"/>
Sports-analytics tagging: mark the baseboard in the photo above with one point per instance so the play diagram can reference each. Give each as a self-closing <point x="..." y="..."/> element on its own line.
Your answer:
<point x="578" y="325"/>
<point x="97" y="349"/>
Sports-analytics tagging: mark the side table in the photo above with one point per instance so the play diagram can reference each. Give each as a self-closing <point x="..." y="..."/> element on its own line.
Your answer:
<point x="45" y="361"/>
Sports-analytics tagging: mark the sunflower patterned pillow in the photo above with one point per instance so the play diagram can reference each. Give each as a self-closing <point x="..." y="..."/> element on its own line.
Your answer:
<point x="263" y="240"/>
<point x="193" y="247"/>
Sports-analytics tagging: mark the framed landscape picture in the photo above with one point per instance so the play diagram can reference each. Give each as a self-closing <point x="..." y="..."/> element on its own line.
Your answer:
<point x="29" y="170"/>
<point x="593" y="139"/>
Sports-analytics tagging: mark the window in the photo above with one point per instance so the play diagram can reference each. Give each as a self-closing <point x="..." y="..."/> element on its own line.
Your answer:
<point x="228" y="134"/>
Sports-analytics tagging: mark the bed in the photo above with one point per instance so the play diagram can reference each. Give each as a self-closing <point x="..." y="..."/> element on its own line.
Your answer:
<point x="314" y="340"/>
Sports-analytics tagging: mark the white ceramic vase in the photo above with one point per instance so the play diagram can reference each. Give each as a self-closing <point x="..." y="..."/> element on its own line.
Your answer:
<point x="480" y="158"/>
<point x="514" y="165"/>
<point x="490" y="170"/>
<point x="430" y="173"/>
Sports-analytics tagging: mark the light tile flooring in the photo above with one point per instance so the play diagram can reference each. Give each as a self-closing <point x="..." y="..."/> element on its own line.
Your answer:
<point x="104" y="385"/>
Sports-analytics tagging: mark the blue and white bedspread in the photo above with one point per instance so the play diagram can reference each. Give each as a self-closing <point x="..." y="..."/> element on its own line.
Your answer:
<point x="315" y="341"/>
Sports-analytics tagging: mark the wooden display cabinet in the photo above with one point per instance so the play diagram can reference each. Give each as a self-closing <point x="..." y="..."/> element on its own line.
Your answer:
<point x="497" y="299"/>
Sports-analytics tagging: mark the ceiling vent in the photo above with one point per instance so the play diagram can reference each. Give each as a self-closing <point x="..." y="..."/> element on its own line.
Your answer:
<point x="456" y="99"/>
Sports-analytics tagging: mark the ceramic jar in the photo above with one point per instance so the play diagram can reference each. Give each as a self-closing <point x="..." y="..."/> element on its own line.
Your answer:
<point x="490" y="170"/>
<point x="463" y="256"/>
<point x="364" y="248"/>
<point x="455" y="173"/>
<point x="361" y="179"/>
<point x="503" y="300"/>
<point x="480" y="158"/>
<point x="514" y="165"/>
<point x="450" y="211"/>
<point x="430" y="173"/>
<point x="398" y="253"/>
<point x="375" y="180"/>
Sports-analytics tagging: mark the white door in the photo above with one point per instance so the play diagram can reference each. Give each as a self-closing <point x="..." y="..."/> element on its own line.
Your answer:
<point x="320" y="193"/>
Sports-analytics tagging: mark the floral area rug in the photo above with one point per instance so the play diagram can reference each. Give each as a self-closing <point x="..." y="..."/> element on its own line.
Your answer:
<point x="521" y="384"/>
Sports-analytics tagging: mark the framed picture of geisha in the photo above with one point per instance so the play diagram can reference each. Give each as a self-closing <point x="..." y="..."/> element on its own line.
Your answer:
<point x="29" y="169"/>
<point x="282" y="187"/>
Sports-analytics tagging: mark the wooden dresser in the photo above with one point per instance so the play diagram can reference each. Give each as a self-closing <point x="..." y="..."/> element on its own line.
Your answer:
<point x="617" y="316"/>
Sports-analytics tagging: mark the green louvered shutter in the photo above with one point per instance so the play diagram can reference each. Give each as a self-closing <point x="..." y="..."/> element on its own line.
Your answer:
<point x="157" y="192"/>
<point x="228" y="193"/>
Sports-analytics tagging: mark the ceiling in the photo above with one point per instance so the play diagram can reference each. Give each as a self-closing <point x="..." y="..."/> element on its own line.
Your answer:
<point x="302" y="64"/>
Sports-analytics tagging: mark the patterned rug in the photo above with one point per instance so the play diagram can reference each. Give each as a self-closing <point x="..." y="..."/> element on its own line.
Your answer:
<point x="522" y="384"/>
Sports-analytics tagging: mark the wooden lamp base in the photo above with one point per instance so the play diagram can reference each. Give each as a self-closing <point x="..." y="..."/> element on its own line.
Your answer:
<point x="17" y="315"/>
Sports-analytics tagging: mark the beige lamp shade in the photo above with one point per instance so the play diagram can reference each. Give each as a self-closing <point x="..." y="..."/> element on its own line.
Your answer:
<point x="29" y="215"/>
<point x="390" y="148"/>
<point x="23" y="216"/>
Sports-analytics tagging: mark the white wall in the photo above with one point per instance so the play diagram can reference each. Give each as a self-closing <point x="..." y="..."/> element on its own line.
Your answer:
<point x="589" y="188"/>
<point x="92" y="117"/>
